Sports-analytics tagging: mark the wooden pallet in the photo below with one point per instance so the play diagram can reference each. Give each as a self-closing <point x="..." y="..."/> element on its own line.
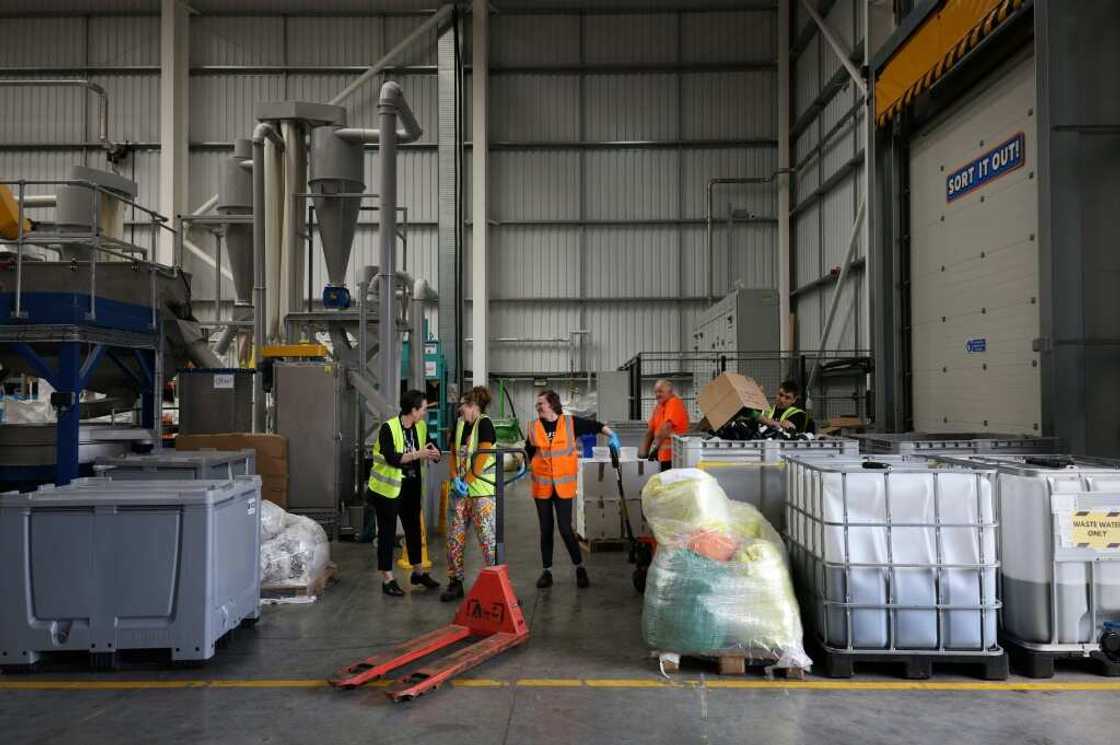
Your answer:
<point x="316" y="587"/>
<point x="734" y="664"/>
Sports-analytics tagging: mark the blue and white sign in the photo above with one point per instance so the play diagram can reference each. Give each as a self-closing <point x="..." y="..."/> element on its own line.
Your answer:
<point x="1000" y="160"/>
<point x="975" y="346"/>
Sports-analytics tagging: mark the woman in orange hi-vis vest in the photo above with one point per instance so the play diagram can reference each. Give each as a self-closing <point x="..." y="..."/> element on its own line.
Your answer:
<point x="553" y="449"/>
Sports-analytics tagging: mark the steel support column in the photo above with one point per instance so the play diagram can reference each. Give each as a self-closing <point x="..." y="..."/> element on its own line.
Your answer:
<point x="173" y="102"/>
<point x="480" y="22"/>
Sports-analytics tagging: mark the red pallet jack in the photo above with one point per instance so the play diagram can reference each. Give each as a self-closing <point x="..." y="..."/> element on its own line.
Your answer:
<point x="490" y="613"/>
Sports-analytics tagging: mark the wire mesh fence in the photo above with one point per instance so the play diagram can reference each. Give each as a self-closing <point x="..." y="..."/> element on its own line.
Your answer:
<point x="839" y="386"/>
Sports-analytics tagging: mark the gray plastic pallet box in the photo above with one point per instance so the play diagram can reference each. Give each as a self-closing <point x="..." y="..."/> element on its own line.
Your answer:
<point x="168" y="465"/>
<point x="102" y="566"/>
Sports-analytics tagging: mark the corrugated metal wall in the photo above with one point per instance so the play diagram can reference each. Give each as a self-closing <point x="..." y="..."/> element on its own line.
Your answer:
<point x="605" y="130"/>
<point x="828" y="146"/>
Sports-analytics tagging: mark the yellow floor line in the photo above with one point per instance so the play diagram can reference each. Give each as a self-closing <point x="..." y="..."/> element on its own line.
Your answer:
<point x="614" y="683"/>
<point x="550" y="683"/>
<point x="479" y="683"/>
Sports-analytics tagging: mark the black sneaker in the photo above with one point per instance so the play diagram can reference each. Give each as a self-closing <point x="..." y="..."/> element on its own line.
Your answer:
<point x="454" y="591"/>
<point x="582" y="581"/>
<point x="545" y="580"/>
<point x="392" y="588"/>
<point x="424" y="579"/>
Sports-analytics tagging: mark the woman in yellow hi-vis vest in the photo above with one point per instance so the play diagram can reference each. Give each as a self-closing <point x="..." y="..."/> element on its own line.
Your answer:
<point x="472" y="488"/>
<point x="400" y="456"/>
<point x="552" y="445"/>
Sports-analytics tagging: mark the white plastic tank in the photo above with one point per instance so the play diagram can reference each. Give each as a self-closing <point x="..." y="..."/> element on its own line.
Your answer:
<point x="885" y="541"/>
<point x="1053" y="589"/>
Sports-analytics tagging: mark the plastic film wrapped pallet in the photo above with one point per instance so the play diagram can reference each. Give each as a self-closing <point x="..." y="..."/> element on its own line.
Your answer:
<point x="720" y="582"/>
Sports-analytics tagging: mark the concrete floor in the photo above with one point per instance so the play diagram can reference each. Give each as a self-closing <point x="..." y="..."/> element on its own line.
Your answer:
<point x="585" y="677"/>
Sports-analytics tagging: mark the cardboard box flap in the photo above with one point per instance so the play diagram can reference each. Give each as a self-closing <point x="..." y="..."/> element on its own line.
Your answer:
<point x="726" y="395"/>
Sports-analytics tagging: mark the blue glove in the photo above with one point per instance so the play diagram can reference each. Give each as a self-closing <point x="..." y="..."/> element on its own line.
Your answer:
<point x="459" y="486"/>
<point x="614" y="441"/>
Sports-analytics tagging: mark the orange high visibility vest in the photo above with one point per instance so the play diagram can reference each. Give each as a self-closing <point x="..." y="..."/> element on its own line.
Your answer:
<point x="555" y="464"/>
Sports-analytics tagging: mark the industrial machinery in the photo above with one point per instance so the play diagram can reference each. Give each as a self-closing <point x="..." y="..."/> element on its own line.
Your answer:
<point x="89" y="312"/>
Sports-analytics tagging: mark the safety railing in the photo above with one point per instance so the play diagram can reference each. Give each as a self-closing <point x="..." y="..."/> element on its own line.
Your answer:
<point x="94" y="241"/>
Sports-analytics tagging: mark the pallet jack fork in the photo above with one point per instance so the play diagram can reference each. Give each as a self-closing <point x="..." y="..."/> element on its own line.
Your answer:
<point x="490" y="613"/>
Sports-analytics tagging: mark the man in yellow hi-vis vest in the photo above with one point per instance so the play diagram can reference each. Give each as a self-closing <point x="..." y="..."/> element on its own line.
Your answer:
<point x="400" y="456"/>
<point x="787" y="415"/>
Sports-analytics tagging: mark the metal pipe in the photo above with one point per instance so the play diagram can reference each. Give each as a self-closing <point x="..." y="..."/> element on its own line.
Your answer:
<point x="261" y="132"/>
<point x="709" y="218"/>
<point x="40" y="200"/>
<point x="102" y="101"/>
<point x="390" y="105"/>
<point x="295" y="179"/>
<point x="417" y="341"/>
<point x="440" y="16"/>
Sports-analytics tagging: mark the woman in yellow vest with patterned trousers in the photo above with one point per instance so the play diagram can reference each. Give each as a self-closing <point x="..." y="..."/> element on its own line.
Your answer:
<point x="400" y="457"/>
<point x="553" y="449"/>
<point x="472" y="488"/>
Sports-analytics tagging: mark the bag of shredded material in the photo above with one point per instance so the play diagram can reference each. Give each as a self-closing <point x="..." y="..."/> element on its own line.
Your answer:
<point x="720" y="580"/>
<point x="297" y="554"/>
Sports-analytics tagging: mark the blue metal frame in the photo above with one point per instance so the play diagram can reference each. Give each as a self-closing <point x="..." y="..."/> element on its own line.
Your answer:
<point x="73" y="308"/>
<point x="72" y="377"/>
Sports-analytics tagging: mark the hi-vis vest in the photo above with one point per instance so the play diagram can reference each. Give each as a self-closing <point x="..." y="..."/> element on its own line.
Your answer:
<point x="481" y="469"/>
<point x="385" y="479"/>
<point x="790" y="411"/>
<point x="555" y="464"/>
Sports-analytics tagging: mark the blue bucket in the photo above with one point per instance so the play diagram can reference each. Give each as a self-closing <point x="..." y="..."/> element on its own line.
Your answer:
<point x="588" y="442"/>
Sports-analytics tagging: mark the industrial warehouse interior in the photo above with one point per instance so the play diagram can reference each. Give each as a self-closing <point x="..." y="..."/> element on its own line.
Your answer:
<point x="559" y="371"/>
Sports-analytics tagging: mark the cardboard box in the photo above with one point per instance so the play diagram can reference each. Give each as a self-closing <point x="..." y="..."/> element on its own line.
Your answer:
<point x="275" y="490"/>
<point x="266" y="446"/>
<point x="271" y="450"/>
<point x="727" y="395"/>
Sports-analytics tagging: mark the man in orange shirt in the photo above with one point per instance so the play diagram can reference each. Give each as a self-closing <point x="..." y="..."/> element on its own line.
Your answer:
<point x="669" y="418"/>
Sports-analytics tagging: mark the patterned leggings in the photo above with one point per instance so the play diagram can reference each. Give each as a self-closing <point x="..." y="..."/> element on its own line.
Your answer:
<point x="465" y="510"/>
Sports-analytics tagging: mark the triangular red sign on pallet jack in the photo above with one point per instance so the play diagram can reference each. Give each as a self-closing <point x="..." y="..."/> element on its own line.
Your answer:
<point x="490" y="613"/>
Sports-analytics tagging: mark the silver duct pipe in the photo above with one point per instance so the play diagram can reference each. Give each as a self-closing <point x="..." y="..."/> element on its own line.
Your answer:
<point x="295" y="222"/>
<point x="42" y="200"/>
<point x="440" y="16"/>
<point x="420" y="295"/>
<point x="261" y="132"/>
<point x="102" y="101"/>
<point x="709" y="217"/>
<point x="391" y="107"/>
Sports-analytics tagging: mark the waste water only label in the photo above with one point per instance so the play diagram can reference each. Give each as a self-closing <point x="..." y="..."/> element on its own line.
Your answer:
<point x="1000" y="160"/>
<point x="1096" y="530"/>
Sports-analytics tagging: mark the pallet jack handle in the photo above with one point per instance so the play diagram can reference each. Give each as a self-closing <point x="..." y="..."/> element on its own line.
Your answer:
<point x="499" y="494"/>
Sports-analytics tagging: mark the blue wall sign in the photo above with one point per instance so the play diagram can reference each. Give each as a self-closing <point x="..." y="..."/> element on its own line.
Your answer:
<point x="1000" y="160"/>
<point x="976" y="345"/>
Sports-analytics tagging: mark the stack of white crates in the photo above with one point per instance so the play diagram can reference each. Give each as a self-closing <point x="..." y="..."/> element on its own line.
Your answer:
<point x="598" y="514"/>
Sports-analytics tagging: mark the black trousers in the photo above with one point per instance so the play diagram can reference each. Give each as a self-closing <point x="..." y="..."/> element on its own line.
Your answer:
<point x="407" y="506"/>
<point x="563" y="509"/>
<point x="666" y="465"/>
